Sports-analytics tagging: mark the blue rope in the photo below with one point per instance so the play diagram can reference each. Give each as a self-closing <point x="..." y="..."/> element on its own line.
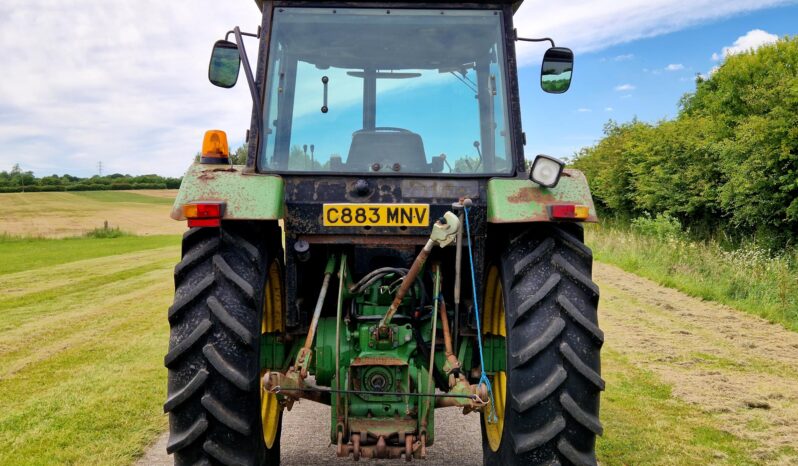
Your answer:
<point x="483" y="379"/>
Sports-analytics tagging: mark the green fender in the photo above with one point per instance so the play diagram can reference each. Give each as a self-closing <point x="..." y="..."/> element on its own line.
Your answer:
<point x="247" y="196"/>
<point x="520" y="200"/>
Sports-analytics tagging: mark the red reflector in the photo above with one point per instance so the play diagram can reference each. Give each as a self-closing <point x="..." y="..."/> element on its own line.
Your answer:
<point x="204" y="222"/>
<point x="569" y="211"/>
<point x="204" y="214"/>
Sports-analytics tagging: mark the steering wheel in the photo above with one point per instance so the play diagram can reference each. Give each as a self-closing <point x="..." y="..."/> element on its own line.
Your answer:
<point x="384" y="128"/>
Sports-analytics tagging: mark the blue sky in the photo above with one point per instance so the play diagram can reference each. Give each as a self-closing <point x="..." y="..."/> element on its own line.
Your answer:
<point x="644" y="78"/>
<point x="125" y="83"/>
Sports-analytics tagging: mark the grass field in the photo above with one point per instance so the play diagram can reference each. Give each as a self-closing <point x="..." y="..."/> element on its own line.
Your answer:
<point x="82" y="338"/>
<point x="58" y="215"/>
<point x="747" y="279"/>
<point x="83" y="332"/>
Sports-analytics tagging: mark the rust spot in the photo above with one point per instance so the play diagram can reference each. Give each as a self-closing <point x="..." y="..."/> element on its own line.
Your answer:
<point x="207" y="176"/>
<point x="530" y="195"/>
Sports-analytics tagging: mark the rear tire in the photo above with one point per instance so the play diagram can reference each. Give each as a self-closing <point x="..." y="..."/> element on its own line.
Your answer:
<point x="553" y="342"/>
<point x="213" y="360"/>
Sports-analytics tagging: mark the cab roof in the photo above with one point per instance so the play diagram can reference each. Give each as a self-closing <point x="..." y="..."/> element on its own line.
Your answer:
<point x="516" y="3"/>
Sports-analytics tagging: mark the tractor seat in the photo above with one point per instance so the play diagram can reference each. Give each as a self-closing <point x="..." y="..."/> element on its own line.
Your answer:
<point x="387" y="146"/>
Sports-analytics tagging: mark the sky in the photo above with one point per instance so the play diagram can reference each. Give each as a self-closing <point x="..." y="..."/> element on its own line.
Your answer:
<point x="125" y="83"/>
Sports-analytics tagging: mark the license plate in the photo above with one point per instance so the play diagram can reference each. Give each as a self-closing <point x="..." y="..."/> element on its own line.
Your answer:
<point x="376" y="215"/>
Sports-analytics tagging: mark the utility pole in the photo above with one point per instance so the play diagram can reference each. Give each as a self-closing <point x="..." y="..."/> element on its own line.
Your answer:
<point x="100" y="168"/>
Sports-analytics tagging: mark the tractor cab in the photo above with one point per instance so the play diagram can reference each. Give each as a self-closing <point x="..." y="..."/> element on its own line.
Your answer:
<point x="426" y="90"/>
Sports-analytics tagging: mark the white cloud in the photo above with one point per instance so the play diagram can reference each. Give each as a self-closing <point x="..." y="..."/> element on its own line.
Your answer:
<point x="121" y="83"/>
<point x="125" y="83"/>
<point x="592" y="25"/>
<point x="584" y="110"/>
<point x="625" y="57"/>
<point x="624" y="88"/>
<point x="752" y="40"/>
<point x="674" y="67"/>
<point x="609" y="109"/>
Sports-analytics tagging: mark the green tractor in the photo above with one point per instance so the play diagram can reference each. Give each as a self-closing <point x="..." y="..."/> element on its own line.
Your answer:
<point x="385" y="250"/>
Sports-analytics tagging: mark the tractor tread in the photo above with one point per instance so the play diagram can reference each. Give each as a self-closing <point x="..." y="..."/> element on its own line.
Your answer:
<point x="228" y="321"/>
<point x="525" y="442"/>
<point x="576" y="362"/>
<point x="230" y="275"/>
<point x="553" y="347"/>
<point x="225" y="416"/>
<point x="185" y="345"/>
<point x="575" y="456"/>
<point x="573" y="243"/>
<point x="539" y="392"/>
<point x="580" y="278"/>
<point x="195" y="256"/>
<point x="186" y="300"/>
<point x="535" y="346"/>
<point x="581" y="416"/>
<point x="183" y="394"/>
<point x="179" y="441"/>
<point x="531" y="302"/>
<point x="223" y="455"/>
<point x="580" y="319"/>
<point x="532" y="258"/>
<point x="226" y="369"/>
<point x="243" y="247"/>
<point x="213" y="401"/>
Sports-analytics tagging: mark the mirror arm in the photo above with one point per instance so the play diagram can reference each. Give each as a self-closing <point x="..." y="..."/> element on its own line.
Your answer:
<point x="524" y="39"/>
<point x="253" y="88"/>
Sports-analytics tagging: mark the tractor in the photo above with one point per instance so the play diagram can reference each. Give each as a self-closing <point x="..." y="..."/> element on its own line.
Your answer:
<point x="386" y="250"/>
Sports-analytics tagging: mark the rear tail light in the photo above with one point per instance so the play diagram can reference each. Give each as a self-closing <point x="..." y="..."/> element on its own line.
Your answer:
<point x="204" y="214"/>
<point x="569" y="212"/>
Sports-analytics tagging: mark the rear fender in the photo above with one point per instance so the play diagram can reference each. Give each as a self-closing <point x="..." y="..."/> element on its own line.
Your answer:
<point x="247" y="196"/>
<point x="521" y="201"/>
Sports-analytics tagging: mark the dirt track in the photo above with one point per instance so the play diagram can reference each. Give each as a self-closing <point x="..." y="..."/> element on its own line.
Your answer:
<point x="741" y="369"/>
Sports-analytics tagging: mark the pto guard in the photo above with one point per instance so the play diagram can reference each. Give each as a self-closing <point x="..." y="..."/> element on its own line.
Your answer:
<point x="521" y="201"/>
<point x="247" y="196"/>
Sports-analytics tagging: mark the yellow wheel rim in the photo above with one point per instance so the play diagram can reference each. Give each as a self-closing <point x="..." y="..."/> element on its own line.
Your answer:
<point x="271" y="322"/>
<point x="493" y="323"/>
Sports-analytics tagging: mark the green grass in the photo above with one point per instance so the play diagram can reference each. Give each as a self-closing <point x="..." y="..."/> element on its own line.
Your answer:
<point x="645" y="424"/>
<point x="29" y="253"/>
<point x="123" y="196"/>
<point x="748" y="279"/>
<point x="81" y="348"/>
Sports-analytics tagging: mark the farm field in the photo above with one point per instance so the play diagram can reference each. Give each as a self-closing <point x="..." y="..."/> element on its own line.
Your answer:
<point x="83" y="332"/>
<point x="64" y="214"/>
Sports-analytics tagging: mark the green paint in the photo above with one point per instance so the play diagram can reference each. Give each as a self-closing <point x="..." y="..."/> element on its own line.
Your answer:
<point x="272" y="352"/>
<point x="493" y="348"/>
<point x="521" y="200"/>
<point x="248" y="197"/>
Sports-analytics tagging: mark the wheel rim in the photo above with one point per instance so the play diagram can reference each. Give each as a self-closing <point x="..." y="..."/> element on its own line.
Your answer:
<point x="493" y="323"/>
<point x="271" y="322"/>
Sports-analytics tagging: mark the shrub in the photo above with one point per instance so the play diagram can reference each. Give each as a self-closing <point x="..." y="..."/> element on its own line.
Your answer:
<point x="663" y="226"/>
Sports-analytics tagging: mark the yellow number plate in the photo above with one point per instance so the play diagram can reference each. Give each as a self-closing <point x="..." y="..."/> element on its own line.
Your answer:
<point x="376" y="215"/>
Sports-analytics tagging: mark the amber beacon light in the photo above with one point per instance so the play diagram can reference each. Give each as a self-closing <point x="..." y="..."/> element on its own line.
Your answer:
<point x="214" y="148"/>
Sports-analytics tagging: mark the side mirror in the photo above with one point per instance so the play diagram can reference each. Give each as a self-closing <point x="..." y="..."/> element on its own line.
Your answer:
<point x="557" y="70"/>
<point x="225" y="64"/>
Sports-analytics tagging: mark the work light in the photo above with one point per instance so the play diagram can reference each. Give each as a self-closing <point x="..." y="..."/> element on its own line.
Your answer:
<point x="546" y="171"/>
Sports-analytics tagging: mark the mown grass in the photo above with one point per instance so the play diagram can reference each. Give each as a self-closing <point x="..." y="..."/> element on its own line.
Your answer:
<point x="123" y="196"/>
<point x="29" y="253"/>
<point x="81" y="351"/>
<point x="747" y="278"/>
<point x="645" y="424"/>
